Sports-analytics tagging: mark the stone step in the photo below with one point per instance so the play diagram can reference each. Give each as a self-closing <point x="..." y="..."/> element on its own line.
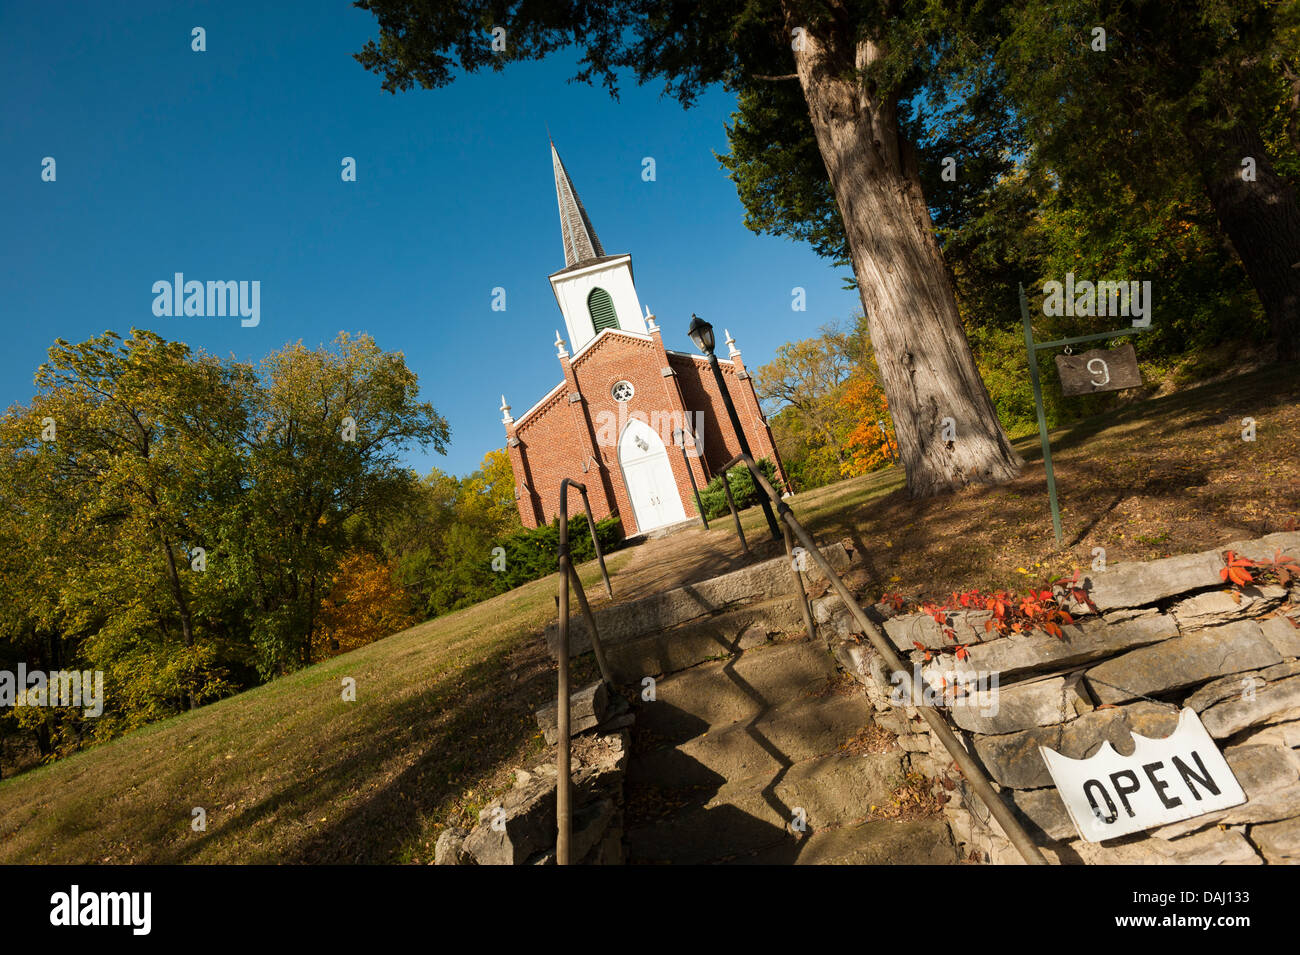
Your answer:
<point x="725" y="634"/>
<point x="755" y="813"/>
<point x="765" y="744"/>
<point x="740" y="688"/>
<point x="878" y="842"/>
<point x="623" y="622"/>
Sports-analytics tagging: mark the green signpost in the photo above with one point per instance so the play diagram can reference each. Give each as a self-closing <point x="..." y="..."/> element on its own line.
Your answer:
<point x="1033" y="348"/>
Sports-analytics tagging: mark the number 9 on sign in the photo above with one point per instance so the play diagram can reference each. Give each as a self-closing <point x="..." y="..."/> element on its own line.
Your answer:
<point x="1097" y="370"/>
<point x="1100" y="370"/>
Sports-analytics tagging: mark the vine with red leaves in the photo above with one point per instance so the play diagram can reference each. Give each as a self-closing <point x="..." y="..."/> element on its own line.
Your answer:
<point x="1012" y="612"/>
<point x="1243" y="572"/>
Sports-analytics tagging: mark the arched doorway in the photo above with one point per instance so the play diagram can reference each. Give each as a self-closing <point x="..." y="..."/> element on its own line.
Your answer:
<point x="648" y="477"/>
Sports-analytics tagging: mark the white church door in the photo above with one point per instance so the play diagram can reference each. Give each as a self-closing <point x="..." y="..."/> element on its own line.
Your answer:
<point x="648" y="477"/>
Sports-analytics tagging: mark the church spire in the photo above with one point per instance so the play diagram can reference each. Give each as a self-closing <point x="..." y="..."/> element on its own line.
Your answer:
<point x="580" y="242"/>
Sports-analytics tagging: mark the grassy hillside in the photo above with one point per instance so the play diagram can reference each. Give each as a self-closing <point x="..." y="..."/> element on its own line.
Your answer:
<point x="1163" y="476"/>
<point x="290" y="773"/>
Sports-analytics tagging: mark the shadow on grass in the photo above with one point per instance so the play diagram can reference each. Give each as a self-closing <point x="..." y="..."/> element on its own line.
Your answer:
<point x="455" y="735"/>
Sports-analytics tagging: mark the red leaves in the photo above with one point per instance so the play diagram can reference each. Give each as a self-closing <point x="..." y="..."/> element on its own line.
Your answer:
<point x="895" y="600"/>
<point x="1042" y="609"/>
<point x="1285" y="568"/>
<point x="999" y="604"/>
<point x="1281" y="569"/>
<point x="1077" y="594"/>
<point x="1237" y="570"/>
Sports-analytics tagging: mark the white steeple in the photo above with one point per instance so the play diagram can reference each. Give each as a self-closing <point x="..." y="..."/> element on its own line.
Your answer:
<point x="595" y="291"/>
<point x="580" y="242"/>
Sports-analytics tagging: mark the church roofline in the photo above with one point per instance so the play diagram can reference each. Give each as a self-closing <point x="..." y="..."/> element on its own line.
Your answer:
<point x="544" y="399"/>
<point x="583" y="268"/>
<point x="695" y="357"/>
<point x="592" y="265"/>
<point x="581" y="352"/>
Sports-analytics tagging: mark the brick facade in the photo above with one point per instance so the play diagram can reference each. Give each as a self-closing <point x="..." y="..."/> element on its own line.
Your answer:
<point x="574" y="431"/>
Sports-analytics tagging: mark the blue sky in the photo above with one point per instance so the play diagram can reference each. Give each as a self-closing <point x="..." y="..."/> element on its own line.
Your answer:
<point x="226" y="165"/>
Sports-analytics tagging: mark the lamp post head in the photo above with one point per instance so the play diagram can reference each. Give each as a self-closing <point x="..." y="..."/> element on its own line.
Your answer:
<point x="701" y="333"/>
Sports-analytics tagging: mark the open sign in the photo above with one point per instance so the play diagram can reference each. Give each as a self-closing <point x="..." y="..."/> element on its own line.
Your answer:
<point x="1165" y="780"/>
<point x="1101" y="369"/>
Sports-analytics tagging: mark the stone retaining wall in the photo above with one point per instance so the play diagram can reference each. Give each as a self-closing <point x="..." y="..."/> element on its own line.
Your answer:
<point x="520" y="827"/>
<point x="1166" y="634"/>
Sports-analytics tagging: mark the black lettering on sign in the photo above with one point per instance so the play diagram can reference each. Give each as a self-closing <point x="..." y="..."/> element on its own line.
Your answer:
<point x="1123" y="791"/>
<point x="1160" y="785"/>
<point x="1204" y="778"/>
<point x="1111" y="812"/>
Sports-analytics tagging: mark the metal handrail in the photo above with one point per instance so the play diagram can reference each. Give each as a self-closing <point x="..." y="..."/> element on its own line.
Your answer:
<point x="973" y="772"/>
<point x="563" y="781"/>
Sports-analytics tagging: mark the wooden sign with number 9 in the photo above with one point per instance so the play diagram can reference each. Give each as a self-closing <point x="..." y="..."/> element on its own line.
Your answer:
<point x="1101" y="369"/>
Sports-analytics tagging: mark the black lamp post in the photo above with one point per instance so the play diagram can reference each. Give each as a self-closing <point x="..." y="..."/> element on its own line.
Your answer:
<point x="701" y="333"/>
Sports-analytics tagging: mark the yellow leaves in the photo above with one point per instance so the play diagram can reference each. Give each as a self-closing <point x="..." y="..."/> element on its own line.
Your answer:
<point x="868" y="445"/>
<point x="364" y="605"/>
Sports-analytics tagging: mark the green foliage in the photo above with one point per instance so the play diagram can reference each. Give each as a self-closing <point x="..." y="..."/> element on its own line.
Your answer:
<point x="137" y="453"/>
<point x="779" y="173"/>
<point x="743" y="489"/>
<point x="531" y="554"/>
<point x="444" y="544"/>
<point x="469" y="560"/>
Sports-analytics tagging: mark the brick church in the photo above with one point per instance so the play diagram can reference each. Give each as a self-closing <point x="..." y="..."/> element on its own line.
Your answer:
<point x="627" y="405"/>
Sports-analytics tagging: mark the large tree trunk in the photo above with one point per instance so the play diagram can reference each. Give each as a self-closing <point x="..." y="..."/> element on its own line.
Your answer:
<point x="1263" y="221"/>
<point x="178" y="594"/>
<point x="927" y="370"/>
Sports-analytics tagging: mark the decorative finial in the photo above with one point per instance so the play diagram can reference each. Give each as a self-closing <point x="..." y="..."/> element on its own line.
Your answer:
<point x="650" y="320"/>
<point x="560" y="350"/>
<point x="505" y="412"/>
<point x="732" y="350"/>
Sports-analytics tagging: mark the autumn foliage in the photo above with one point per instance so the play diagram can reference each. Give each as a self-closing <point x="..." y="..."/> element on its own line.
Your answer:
<point x="1044" y="609"/>
<point x="1244" y="572"/>
<point x="363" y="605"/>
<point x="872" y="443"/>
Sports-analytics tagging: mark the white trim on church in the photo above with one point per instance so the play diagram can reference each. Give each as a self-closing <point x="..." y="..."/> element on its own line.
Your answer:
<point x="545" y="398"/>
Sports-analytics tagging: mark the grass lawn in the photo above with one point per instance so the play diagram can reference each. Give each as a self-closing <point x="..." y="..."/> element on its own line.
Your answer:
<point x="1165" y="476"/>
<point x="290" y="773"/>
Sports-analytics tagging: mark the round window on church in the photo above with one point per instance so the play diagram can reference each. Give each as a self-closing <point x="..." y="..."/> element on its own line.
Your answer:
<point x="622" y="391"/>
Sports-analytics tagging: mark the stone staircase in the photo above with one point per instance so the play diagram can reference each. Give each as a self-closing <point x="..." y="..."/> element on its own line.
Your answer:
<point x="734" y="754"/>
<point x="747" y="745"/>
